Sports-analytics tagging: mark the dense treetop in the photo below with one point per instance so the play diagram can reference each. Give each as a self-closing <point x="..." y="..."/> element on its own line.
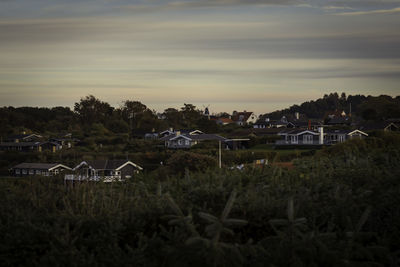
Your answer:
<point x="134" y="117"/>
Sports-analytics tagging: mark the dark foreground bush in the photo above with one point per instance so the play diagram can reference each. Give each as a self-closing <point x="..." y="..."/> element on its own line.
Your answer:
<point x="340" y="208"/>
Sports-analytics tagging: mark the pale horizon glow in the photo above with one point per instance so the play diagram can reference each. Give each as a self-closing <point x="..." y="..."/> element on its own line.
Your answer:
<point x="259" y="55"/>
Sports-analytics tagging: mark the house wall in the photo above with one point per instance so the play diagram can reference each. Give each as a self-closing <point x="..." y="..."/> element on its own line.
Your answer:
<point x="41" y="172"/>
<point x="128" y="170"/>
<point x="180" y="143"/>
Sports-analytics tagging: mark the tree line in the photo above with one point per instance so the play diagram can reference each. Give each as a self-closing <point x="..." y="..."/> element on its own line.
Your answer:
<point x="91" y="113"/>
<point x="370" y="108"/>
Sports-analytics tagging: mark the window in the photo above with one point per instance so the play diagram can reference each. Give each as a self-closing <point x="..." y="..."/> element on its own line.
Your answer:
<point x="307" y="139"/>
<point x="294" y="139"/>
<point x="187" y="142"/>
<point x="31" y="172"/>
<point x="38" y="172"/>
<point x="24" y="172"/>
<point x="17" y="171"/>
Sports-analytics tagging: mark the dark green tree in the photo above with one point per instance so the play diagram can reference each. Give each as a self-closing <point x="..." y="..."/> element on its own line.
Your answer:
<point x="91" y="110"/>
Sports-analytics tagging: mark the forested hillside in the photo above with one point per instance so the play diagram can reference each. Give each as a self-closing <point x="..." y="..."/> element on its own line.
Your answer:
<point x="91" y="114"/>
<point x="365" y="107"/>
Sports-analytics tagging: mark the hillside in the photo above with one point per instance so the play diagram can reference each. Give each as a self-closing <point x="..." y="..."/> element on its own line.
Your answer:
<point x="365" y="107"/>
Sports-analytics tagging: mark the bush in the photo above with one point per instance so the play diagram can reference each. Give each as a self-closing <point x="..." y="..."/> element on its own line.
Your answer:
<point x="181" y="160"/>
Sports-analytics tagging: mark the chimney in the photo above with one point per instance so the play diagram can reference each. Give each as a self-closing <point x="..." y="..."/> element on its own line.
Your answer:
<point x="297" y="115"/>
<point x="171" y="129"/>
<point x="178" y="133"/>
<point x="321" y="135"/>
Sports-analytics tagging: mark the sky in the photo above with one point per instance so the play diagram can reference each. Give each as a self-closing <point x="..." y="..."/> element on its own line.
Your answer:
<point x="254" y="55"/>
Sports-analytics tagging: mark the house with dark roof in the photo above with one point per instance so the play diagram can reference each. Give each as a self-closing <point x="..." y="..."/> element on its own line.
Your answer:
<point x="338" y="136"/>
<point x="179" y="141"/>
<point x="386" y="126"/>
<point x="104" y="170"/>
<point x="42" y="169"/>
<point x="320" y="137"/>
<point x="224" y="121"/>
<point x="338" y="121"/>
<point x="30" y="146"/>
<point x="301" y="137"/>
<point x="244" y="118"/>
<point x="23" y="138"/>
<point x="20" y="146"/>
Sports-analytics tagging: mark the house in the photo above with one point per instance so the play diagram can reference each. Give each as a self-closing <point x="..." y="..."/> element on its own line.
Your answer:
<point x="30" y="146"/>
<point x="262" y="123"/>
<point x="244" y="118"/>
<point x="151" y="136"/>
<point x="301" y="137"/>
<point x="339" y="136"/>
<point x="338" y="121"/>
<point x="224" y="121"/>
<point x="320" y="137"/>
<point x="65" y="140"/>
<point x="43" y="169"/>
<point x="166" y="133"/>
<point x="386" y="126"/>
<point x="337" y="117"/>
<point x="49" y="146"/>
<point x="106" y="170"/>
<point x="23" y="138"/>
<point x="267" y="123"/>
<point x="20" y="146"/>
<point x="179" y="141"/>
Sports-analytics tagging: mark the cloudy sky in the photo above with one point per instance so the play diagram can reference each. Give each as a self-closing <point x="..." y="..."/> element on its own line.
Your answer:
<point x="258" y="55"/>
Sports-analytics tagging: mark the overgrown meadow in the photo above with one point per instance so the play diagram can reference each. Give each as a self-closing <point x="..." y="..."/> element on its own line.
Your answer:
<point x="339" y="207"/>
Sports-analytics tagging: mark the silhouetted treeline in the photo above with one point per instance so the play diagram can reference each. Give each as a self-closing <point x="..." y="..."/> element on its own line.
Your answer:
<point x="365" y="107"/>
<point x="132" y="116"/>
<point x="91" y="113"/>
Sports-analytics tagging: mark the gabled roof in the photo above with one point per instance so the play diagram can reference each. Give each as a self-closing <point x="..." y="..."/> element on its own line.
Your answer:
<point x="340" y="120"/>
<point x="194" y="132"/>
<point x="166" y="131"/>
<point x="346" y="132"/>
<point x="200" y="137"/>
<point x="23" y="136"/>
<point x="208" y="137"/>
<point x="20" y="144"/>
<point x="225" y="120"/>
<point x="241" y="116"/>
<point x="184" y="136"/>
<point x="40" y="166"/>
<point x="297" y="132"/>
<point x="357" y="131"/>
<point x="378" y="125"/>
<point x="107" y="164"/>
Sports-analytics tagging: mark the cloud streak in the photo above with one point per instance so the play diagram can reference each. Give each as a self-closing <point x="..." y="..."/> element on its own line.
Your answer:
<point x="370" y="12"/>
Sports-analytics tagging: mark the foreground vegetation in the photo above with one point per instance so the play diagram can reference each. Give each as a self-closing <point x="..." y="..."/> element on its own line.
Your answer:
<point x="339" y="207"/>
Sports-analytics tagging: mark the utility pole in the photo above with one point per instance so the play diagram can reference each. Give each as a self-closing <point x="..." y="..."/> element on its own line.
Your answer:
<point x="219" y="156"/>
<point x="130" y="125"/>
